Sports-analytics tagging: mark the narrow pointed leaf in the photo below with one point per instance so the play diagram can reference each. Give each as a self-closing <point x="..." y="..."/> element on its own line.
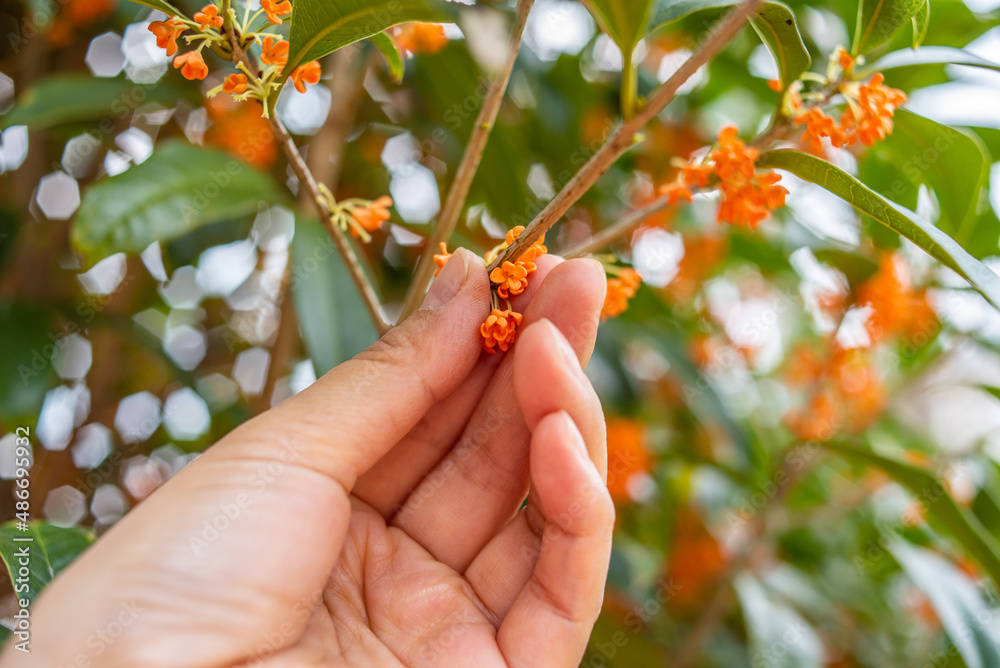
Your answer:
<point x="335" y="325"/>
<point x="921" y="20"/>
<point x="957" y="601"/>
<point x="955" y="165"/>
<point x="393" y="58"/>
<point x="927" y="55"/>
<point x="879" y="20"/>
<point x="905" y="223"/>
<point x="959" y="522"/>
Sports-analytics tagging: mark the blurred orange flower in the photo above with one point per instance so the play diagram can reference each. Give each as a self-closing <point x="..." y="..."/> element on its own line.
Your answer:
<point x="239" y="129"/>
<point x="620" y="290"/>
<point x="627" y="455"/>
<point x="694" y="562"/>
<point x="421" y="37"/>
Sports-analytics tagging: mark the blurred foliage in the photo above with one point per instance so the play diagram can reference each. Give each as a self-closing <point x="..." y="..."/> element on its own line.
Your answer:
<point x="784" y="498"/>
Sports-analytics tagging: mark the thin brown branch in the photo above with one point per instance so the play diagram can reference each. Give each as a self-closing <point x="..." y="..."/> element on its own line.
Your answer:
<point x="326" y="152"/>
<point x="307" y="181"/>
<point x="467" y="167"/>
<point x="623" y="228"/>
<point x="623" y="137"/>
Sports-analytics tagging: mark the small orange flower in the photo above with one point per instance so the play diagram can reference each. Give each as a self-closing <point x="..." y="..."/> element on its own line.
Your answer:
<point x="274" y="52"/>
<point x="511" y="279"/>
<point x="167" y="33"/>
<point x="208" y="17"/>
<point x="235" y="83"/>
<point x="441" y="259"/>
<point x="275" y="10"/>
<point x="421" y="37"/>
<point x="696" y="175"/>
<point x="844" y="59"/>
<point x="869" y="120"/>
<point x="306" y="74"/>
<point x="819" y="125"/>
<point x="191" y="65"/>
<point x="620" y="290"/>
<point x="372" y="216"/>
<point x="499" y="330"/>
<point x="774" y="84"/>
<point x="675" y="191"/>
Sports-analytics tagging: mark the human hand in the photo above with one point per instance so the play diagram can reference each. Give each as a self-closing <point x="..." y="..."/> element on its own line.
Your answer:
<point x="373" y="519"/>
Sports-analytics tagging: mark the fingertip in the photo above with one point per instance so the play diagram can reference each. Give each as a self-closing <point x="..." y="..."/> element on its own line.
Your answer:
<point x="565" y="477"/>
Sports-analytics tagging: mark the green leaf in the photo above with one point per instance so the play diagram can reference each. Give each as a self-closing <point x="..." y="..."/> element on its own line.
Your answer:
<point x="625" y="21"/>
<point x="178" y="189"/>
<point x="927" y="55"/>
<point x="879" y="20"/>
<point x="778" y="634"/>
<point x="26" y="372"/>
<point x="335" y="325"/>
<point x="320" y="27"/>
<point x="905" y="223"/>
<point x="995" y="391"/>
<point x="393" y="58"/>
<point x="774" y="22"/>
<point x="50" y="549"/>
<point x="921" y="20"/>
<point x="959" y="522"/>
<point x="955" y="165"/>
<point x="72" y="98"/>
<point x="956" y="600"/>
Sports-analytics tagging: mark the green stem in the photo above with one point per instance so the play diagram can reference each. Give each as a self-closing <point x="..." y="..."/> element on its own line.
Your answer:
<point x="629" y="88"/>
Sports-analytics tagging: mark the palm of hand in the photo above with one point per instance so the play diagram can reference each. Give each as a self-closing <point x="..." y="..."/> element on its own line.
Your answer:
<point x="394" y="533"/>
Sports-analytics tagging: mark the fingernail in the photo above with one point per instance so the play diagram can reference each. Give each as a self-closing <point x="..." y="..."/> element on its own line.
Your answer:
<point x="573" y="434"/>
<point x="569" y="355"/>
<point x="448" y="282"/>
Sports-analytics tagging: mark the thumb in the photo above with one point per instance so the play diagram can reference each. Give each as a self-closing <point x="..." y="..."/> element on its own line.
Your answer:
<point x="359" y="410"/>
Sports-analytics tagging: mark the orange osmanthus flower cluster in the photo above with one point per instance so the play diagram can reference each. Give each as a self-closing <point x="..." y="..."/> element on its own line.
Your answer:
<point x="507" y="280"/>
<point x="620" y="290"/>
<point x="867" y="118"/>
<point x="207" y="23"/>
<point x="748" y="194"/>
<point x="846" y="390"/>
